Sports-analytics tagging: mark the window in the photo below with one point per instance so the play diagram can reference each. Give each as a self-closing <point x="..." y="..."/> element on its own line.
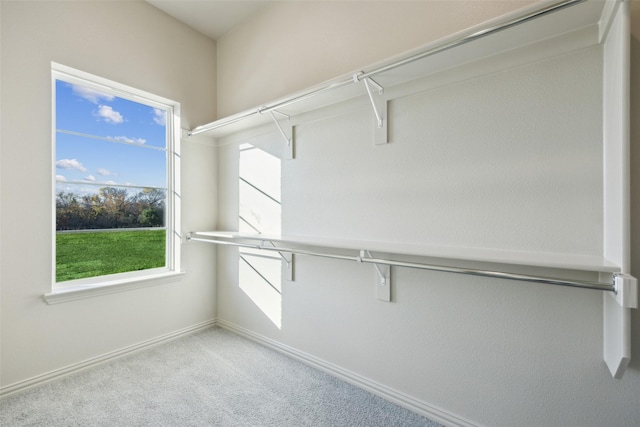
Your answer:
<point x="116" y="151"/>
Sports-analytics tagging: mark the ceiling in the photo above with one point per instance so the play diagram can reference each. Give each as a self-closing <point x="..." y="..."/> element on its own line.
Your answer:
<point x="212" y="18"/>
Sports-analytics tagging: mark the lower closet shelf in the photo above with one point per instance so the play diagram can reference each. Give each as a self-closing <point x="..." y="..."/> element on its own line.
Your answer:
<point x="621" y="292"/>
<point x="364" y="250"/>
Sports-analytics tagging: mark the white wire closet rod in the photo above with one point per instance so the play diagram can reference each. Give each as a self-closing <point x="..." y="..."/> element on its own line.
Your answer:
<point x="463" y="39"/>
<point x="600" y="286"/>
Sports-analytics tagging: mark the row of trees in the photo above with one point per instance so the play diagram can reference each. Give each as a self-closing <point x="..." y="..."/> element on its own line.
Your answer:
<point x="110" y="207"/>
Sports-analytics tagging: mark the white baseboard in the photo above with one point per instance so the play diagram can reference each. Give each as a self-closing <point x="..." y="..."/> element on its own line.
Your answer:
<point x="422" y="408"/>
<point x="58" y="373"/>
<point x="429" y="411"/>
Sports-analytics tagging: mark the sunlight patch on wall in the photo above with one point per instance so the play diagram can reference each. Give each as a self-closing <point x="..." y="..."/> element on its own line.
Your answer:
<point x="260" y="279"/>
<point x="260" y="273"/>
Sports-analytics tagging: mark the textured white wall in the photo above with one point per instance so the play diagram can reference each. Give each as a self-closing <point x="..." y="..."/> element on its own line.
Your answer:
<point x="290" y="46"/>
<point x="492" y="352"/>
<point x="135" y="44"/>
<point x="472" y="146"/>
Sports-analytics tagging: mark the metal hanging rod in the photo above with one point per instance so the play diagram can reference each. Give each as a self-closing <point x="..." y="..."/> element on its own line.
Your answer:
<point x="463" y="39"/>
<point x="544" y="10"/>
<point x="600" y="286"/>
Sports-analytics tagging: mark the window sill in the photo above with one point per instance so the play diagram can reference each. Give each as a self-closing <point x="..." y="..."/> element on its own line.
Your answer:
<point x="74" y="293"/>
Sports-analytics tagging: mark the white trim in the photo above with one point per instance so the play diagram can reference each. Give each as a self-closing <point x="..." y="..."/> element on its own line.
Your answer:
<point x="107" y="357"/>
<point x="616" y="189"/>
<point x="106" y="184"/>
<point x="429" y="411"/>
<point x="76" y="76"/>
<point x="174" y="187"/>
<point x="399" y="398"/>
<point x="74" y="293"/>
<point x="116" y="141"/>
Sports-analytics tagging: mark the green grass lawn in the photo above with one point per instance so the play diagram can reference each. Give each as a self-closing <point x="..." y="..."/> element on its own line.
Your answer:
<point x="81" y="255"/>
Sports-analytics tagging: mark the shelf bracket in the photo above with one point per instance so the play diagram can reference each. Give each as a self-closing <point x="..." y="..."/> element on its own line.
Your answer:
<point x="379" y="105"/>
<point x="287" y="266"/>
<point x="616" y="320"/>
<point x="287" y="263"/>
<point x="383" y="278"/>
<point x="626" y="290"/>
<point x="288" y="139"/>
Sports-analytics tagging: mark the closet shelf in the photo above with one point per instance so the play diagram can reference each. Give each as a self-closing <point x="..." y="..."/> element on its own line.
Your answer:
<point x="588" y="263"/>
<point x="539" y="23"/>
<point x="540" y="32"/>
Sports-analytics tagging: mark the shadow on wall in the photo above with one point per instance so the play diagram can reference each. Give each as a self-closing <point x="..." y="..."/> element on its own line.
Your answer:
<point x="260" y="272"/>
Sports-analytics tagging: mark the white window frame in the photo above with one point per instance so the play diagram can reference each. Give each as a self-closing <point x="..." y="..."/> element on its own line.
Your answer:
<point x="88" y="287"/>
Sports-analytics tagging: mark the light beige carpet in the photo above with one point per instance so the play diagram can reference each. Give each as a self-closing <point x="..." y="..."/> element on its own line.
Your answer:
<point x="211" y="378"/>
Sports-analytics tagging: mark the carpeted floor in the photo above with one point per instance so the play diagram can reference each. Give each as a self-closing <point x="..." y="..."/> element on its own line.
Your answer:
<point x="211" y="378"/>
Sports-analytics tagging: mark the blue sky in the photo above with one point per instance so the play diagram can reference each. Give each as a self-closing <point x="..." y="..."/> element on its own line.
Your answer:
<point x="92" y="160"/>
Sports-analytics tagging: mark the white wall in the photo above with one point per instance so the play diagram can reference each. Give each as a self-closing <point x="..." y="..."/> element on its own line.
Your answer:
<point x="491" y="352"/>
<point x="290" y="46"/>
<point x="137" y="45"/>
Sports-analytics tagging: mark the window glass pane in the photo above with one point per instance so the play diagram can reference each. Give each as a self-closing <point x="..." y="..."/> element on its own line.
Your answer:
<point x="91" y="253"/>
<point x="112" y="157"/>
<point x="88" y="159"/>
<point x="87" y="206"/>
<point x="108" y="230"/>
<point x="85" y="110"/>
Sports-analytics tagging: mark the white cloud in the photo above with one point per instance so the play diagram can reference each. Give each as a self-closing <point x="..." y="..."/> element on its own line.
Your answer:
<point x="160" y="116"/>
<point x="91" y="95"/>
<point x="104" y="172"/>
<point x="70" y="164"/>
<point x="108" y="114"/>
<point x="110" y="182"/>
<point x="60" y="178"/>
<point x="89" y="178"/>
<point x="129" y="140"/>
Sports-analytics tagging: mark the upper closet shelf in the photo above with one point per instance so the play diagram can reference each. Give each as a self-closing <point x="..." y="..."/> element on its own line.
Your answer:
<point x="581" y="23"/>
